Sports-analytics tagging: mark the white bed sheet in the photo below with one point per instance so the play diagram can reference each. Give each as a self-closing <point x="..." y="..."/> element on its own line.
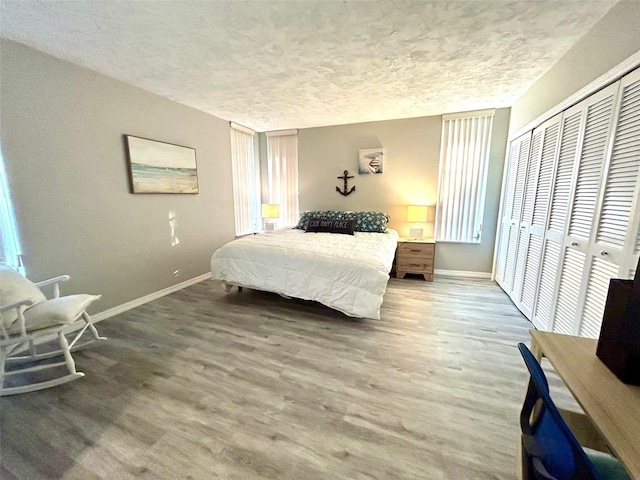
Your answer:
<point x="348" y="273"/>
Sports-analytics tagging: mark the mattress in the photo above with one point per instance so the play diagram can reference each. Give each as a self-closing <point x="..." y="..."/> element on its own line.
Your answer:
<point x="348" y="273"/>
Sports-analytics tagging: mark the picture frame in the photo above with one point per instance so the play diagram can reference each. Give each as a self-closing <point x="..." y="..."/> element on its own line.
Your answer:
<point x="160" y="167"/>
<point x="370" y="160"/>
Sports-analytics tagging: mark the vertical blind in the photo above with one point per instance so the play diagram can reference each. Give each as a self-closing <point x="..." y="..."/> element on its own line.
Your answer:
<point x="246" y="187"/>
<point x="282" y="161"/>
<point x="464" y="159"/>
<point x="10" y="250"/>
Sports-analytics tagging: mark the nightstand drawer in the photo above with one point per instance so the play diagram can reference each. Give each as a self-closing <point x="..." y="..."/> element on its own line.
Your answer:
<point x="414" y="256"/>
<point x="414" y="265"/>
<point x="416" y="251"/>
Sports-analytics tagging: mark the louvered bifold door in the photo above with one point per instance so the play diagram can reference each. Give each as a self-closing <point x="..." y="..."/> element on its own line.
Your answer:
<point x="624" y="199"/>
<point x="512" y="206"/>
<point x="511" y="168"/>
<point x="613" y="238"/>
<point x="516" y="211"/>
<point x="565" y="171"/>
<point x="573" y="281"/>
<point x="548" y="134"/>
<point x="528" y="200"/>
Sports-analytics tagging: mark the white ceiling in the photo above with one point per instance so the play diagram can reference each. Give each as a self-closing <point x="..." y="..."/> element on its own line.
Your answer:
<point x="293" y="64"/>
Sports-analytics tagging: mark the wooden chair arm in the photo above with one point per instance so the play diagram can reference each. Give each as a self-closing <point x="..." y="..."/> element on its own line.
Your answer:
<point x="61" y="278"/>
<point x="19" y="304"/>
<point x="53" y="281"/>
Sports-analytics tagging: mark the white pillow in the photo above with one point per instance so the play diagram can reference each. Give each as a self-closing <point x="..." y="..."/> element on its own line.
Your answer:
<point x="57" y="311"/>
<point x="14" y="288"/>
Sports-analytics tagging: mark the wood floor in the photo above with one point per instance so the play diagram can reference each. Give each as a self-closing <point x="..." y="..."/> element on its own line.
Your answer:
<point x="204" y="385"/>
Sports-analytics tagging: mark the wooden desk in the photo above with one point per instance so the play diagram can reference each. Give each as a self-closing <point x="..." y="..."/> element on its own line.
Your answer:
<point x="612" y="406"/>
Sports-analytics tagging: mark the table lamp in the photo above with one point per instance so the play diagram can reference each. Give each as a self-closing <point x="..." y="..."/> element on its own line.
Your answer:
<point x="417" y="214"/>
<point x="270" y="210"/>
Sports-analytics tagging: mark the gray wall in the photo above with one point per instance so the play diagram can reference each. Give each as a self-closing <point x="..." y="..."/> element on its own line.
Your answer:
<point x="613" y="39"/>
<point x="62" y="144"/>
<point x="410" y="177"/>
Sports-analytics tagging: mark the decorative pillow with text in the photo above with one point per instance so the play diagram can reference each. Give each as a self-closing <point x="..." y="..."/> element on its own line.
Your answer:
<point x="330" y="225"/>
<point x="365" y="221"/>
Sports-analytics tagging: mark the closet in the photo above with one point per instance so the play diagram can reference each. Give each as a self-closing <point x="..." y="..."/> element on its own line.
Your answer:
<point x="570" y="219"/>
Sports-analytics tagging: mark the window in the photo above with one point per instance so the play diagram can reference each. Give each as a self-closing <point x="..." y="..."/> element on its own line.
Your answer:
<point x="282" y="161"/>
<point x="246" y="180"/>
<point x="464" y="160"/>
<point x="10" y="250"/>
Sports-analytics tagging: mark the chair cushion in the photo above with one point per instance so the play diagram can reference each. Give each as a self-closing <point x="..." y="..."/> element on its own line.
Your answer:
<point x="57" y="311"/>
<point x="607" y="466"/>
<point x="14" y="288"/>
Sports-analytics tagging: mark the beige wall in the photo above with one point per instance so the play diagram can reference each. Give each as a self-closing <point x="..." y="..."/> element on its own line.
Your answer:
<point x="62" y="144"/>
<point x="612" y="40"/>
<point x="410" y="176"/>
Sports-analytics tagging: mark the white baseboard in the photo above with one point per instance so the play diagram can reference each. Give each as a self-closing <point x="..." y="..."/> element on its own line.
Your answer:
<point x="98" y="317"/>
<point x="462" y="273"/>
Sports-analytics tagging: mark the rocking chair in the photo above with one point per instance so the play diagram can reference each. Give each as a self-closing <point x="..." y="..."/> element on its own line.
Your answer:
<point x="28" y="320"/>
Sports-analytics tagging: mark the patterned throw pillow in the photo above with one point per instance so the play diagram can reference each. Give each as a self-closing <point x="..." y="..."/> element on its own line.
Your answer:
<point x="371" y="221"/>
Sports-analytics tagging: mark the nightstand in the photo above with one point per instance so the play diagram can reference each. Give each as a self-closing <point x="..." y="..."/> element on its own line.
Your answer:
<point x="415" y="256"/>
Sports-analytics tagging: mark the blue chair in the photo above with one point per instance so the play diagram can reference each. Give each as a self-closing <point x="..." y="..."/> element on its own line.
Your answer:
<point x="550" y="449"/>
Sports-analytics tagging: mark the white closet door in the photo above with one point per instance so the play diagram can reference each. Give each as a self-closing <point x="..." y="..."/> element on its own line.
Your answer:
<point x="600" y="272"/>
<point x="546" y="297"/>
<point x="565" y="166"/>
<point x="568" y="291"/>
<point x="571" y="216"/>
<point x="513" y="207"/>
<point x="617" y="234"/>
<point x="529" y="196"/>
<point x="567" y="163"/>
<point x="616" y="208"/>
<point x="516" y="213"/>
<point x="548" y="154"/>
<point x="507" y="208"/>
<point x="586" y="189"/>
<point x="592" y="159"/>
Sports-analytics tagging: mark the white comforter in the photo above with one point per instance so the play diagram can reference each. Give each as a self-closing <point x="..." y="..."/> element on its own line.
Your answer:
<point x="348" y="273"/>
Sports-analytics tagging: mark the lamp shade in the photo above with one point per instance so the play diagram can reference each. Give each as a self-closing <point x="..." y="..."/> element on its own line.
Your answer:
<point x="270" y="210"/>
<point x="417" y="213"/>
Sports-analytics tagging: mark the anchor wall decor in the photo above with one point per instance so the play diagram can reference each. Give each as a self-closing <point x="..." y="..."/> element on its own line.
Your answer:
<point x="345" y="176"/>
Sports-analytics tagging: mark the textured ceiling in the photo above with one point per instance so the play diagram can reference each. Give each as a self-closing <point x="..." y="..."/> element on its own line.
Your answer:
<point x="274" y="64"/>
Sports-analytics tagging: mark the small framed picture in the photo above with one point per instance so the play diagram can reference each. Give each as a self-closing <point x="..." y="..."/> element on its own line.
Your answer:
<point x="159" y="167"/>
<point x="370" y="160"/>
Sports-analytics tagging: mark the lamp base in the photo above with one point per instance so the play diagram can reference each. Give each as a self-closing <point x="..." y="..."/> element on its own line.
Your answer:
<point x="415" y="233"/>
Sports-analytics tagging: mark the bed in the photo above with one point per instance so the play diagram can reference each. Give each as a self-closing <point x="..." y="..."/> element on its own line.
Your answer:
<point x="348" y="273"/>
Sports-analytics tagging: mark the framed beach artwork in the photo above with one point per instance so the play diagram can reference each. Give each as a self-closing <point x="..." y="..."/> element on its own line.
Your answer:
<point x="159" y="167"/>
<point x="370" y="160"/>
